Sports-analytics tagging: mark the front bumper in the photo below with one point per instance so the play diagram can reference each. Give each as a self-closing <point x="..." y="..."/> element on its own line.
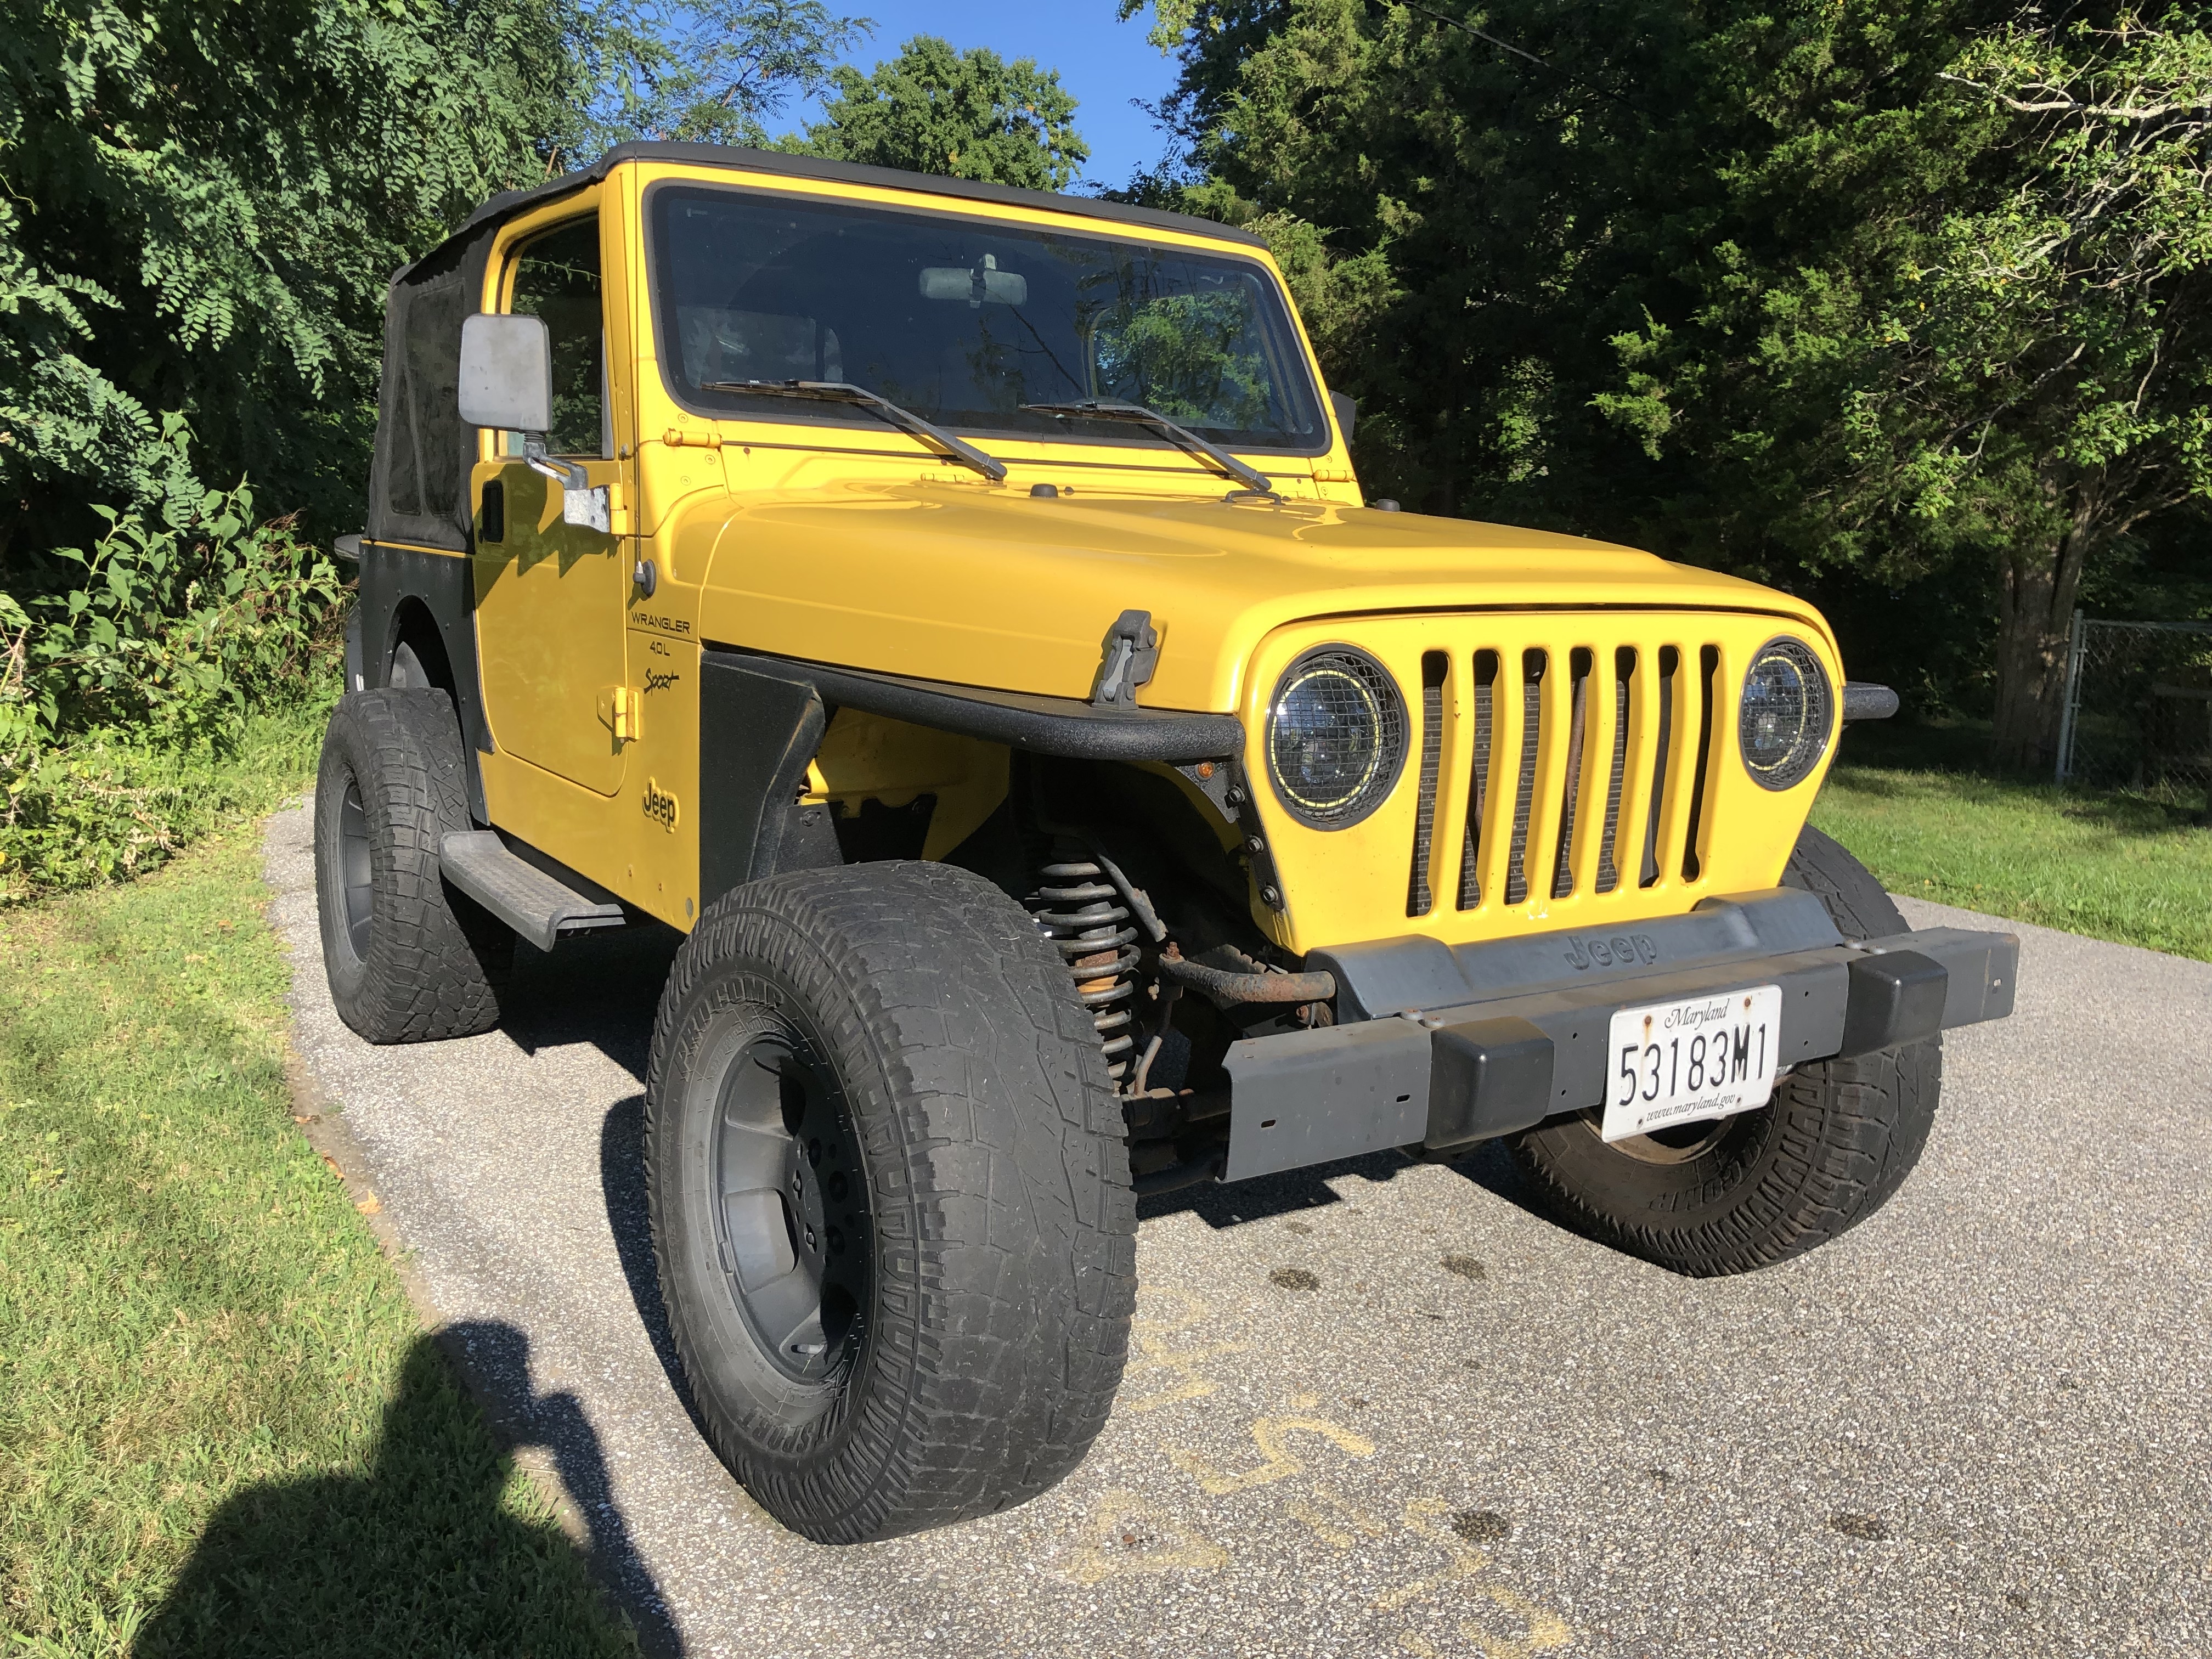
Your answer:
<point x="1442" y="1046"/>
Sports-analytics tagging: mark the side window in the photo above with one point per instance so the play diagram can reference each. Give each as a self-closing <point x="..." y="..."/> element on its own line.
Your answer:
<point x="557" y="277"/>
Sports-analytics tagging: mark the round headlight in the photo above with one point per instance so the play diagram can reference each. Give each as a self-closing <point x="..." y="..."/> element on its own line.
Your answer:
<point x="1336" y="737"/>
<point x="1788" y="712"/>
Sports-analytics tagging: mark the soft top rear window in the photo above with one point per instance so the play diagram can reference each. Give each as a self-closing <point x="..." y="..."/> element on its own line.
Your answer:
<point x="964" y="321"/>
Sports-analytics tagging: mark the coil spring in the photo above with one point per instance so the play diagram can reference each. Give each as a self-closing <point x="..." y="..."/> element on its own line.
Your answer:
<point x="1082" y="912"/>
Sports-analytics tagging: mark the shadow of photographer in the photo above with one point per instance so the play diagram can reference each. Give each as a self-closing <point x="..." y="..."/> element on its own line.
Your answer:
<point x="418" y="1555"/>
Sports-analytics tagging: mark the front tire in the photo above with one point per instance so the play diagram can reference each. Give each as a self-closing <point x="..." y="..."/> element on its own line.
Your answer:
<point x="1748" y="1191"/>
<point x="890" y="1199"/>
<point x="409" y="959"/>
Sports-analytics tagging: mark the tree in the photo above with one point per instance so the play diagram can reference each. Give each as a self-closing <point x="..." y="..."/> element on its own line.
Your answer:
<point x="2006" y="367"/>
<point x="2043" y="364"/>
<point x="1863" y="298"/>
<point x="200" y="206"/>
<point x="964" y="114"/>
<point x="706" y="71"/>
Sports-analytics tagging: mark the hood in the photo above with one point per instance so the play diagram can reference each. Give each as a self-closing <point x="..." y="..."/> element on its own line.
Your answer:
<point x="980" y="586"/>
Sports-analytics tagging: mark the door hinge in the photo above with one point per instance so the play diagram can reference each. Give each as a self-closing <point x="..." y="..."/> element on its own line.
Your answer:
<point x="620" y="708"/>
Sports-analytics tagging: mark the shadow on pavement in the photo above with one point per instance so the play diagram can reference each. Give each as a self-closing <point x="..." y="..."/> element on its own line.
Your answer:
<point x="1266" y="1197"/>
<point x="1491" y="1168"/>
<point x="599" y="988"/>
<point x="622" y="1185"/>
<point x="415" y="1555"/>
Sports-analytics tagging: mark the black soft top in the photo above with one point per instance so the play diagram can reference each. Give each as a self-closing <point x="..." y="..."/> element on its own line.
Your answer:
<point x="419" y="483"/>
<point x="508" y="203"/>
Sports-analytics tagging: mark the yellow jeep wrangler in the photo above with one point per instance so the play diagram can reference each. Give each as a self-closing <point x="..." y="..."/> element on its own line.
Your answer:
<point x="952" y="610"/>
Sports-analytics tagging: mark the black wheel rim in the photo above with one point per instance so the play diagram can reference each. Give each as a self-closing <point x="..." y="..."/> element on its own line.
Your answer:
<point x="792" y="1206"/>
<point x="355" y="879"/>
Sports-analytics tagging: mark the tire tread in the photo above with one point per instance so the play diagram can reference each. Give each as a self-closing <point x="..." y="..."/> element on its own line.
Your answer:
<point x="436" y="960"/>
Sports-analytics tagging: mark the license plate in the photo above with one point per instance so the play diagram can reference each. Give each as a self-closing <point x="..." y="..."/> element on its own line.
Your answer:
<point x="1683" y="1062"/>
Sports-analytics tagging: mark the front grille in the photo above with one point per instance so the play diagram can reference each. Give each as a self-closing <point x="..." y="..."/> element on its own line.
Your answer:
<point x="1583" y="767"/>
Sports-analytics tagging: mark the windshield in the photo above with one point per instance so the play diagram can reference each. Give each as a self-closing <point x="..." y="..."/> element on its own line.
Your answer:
<point x="963" y="322"/>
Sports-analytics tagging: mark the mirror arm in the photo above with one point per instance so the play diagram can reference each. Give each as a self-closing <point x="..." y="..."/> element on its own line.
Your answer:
<point x="569" y="475"/>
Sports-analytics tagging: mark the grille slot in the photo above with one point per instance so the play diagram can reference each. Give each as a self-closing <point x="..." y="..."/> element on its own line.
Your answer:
<point x="1478" y="782"/>
<point x="1709" y="664"/>
<point x="1419" y="899"/>
<point x="1533" y="664"/>
<point x="1624" y="670"/>
<point x="1579" y="664"/>
<point x="1670" y="666"/>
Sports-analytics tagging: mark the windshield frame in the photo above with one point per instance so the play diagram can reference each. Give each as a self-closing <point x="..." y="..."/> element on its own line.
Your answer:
<point x="1104" y="435"/>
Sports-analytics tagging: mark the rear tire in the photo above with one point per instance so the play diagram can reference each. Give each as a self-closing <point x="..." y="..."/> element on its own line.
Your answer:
<point x="409" y="959"/>
<point x="890" y="1199"/>
<point x="1839" y="1138"/>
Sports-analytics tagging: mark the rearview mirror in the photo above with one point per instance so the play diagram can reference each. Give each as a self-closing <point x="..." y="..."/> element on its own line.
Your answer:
<point x="1000" y="288"/>
<point x="506" y="373"/>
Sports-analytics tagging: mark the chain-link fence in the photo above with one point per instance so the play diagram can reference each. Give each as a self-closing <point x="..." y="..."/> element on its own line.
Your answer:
<point x="2139" y="707"/>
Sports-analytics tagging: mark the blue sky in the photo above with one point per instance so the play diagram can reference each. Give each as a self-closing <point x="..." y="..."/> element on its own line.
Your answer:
<point x="1103" y="63"/>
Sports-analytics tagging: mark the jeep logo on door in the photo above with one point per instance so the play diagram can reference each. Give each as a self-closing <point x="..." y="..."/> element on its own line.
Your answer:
<point x="1624" y="950"/>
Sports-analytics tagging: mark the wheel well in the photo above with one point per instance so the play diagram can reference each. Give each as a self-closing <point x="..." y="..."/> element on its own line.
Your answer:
<point x="415" y="630"/>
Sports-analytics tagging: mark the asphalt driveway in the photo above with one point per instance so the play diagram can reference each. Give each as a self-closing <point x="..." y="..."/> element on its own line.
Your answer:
<point x="1979" y="1423"/>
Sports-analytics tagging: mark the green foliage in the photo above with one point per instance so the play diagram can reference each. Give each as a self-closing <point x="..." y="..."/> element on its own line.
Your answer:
<point x="1904" y="306"/>
<point x="701" y="71"/>
<point x="183" y="617"/>
<point x="2007" y="364"/>
<point x="200" y="206"/>
<point x="125" y="696"/>
<point x="960" y="114"/>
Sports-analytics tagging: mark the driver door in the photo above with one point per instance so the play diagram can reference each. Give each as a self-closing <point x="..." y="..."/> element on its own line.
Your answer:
<point x="551" y="590"/>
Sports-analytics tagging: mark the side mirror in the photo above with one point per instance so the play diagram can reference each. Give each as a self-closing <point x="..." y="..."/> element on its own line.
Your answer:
<point x="506" y="384"/>
<point x="506" y="373"/>
<point x="1347" y="412"/>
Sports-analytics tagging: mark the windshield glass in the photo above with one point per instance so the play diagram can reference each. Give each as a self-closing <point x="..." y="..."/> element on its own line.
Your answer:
<point x="963" y="322"/>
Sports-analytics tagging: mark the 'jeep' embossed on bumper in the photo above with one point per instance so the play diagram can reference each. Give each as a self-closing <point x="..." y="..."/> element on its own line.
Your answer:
<point x="1585" y="952"/>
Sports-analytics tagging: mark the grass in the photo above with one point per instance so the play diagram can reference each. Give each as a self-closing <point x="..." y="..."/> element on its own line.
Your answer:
<point x="2111" y="865"/>
<point x="222" y="1428"/>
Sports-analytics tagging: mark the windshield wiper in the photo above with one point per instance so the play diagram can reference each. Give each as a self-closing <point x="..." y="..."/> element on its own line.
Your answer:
<point x="841" y="391"/>
<point x="1098" y="409"/>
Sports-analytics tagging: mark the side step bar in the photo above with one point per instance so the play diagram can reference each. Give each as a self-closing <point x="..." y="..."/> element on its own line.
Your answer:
<point x="539" y="907"/>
